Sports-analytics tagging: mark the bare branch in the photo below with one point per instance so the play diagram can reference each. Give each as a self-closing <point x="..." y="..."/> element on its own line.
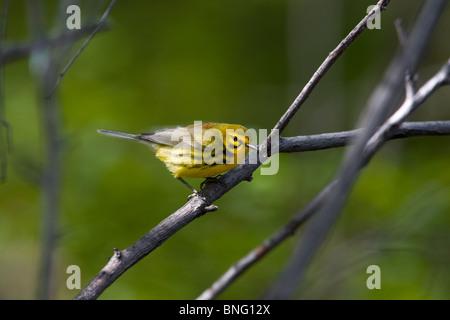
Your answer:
<point x="412" y="101"/>
<point x="100" y="25"/>
<point x="401" y="33"/>
<point x="340" y="139"/>
<point x="326" y="65"/>
<point x="17" y="51"/>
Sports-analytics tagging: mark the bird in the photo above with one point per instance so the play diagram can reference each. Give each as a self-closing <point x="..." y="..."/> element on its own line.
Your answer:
<point x="201" y="150"/>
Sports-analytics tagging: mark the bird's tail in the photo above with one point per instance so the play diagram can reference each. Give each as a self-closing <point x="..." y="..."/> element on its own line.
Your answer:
<point x="120" y="134"/>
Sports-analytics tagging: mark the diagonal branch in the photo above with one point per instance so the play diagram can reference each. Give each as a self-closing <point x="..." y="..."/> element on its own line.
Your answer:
<point x="326" y="65"/>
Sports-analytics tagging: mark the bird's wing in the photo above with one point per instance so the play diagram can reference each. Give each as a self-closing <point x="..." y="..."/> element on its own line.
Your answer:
<point x="169" y="137"/>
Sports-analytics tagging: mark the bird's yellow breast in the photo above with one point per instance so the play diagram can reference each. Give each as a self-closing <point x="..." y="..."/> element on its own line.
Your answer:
<point x="185" y="167"/>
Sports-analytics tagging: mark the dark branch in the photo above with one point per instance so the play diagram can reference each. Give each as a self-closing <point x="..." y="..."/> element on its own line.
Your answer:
<point x="340" y="139"/>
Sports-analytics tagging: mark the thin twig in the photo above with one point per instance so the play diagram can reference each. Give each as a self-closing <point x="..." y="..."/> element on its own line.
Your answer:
<point x="19" y="50"/>
<point x="323" y="68"/>
<point x="412" y="102"/>
<point x="401" y="33"/>
<point x="326" y="65"/>
<point x="100" y="25"/>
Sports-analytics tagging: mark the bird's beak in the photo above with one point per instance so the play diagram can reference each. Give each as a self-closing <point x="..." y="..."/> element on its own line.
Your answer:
<point x="251" y="146"/>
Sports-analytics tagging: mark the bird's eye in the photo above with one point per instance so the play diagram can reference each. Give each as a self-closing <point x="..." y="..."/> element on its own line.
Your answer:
<point x="235" y="139"/>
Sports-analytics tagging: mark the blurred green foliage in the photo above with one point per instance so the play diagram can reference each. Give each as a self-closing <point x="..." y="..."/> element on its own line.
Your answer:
<point x="166" y="63"/>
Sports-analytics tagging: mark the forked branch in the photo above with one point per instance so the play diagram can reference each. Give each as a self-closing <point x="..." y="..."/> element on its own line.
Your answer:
<point x="392" y="128"/>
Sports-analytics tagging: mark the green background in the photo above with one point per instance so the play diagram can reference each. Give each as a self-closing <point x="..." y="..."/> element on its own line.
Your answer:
<point x="167" y="63"/>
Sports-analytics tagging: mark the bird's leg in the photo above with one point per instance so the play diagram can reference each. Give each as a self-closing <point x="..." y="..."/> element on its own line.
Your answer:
<point x="188" y="185"/>
<point x="195" y="194"/>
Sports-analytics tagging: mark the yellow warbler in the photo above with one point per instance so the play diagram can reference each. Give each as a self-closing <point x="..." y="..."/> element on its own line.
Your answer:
<point x="202" y="150"/>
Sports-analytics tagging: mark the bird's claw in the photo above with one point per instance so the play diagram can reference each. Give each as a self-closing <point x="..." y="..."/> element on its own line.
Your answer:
<point x="196" y="194"/>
